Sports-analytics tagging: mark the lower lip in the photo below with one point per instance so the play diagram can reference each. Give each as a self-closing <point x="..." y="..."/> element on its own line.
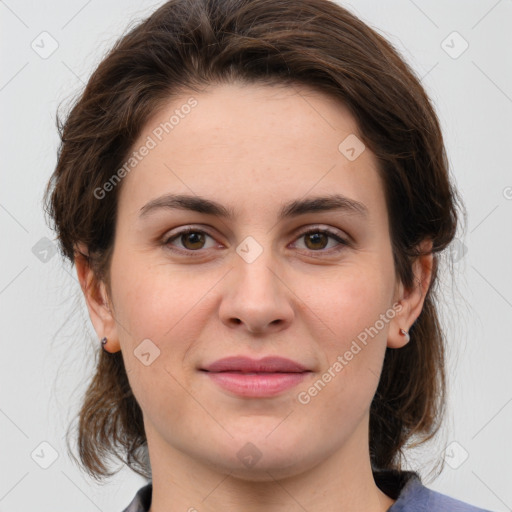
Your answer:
<point x="256" y="384"/>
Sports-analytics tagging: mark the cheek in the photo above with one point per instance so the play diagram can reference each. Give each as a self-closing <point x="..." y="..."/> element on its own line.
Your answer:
<point x="347" y="304"/>
<point x="351" y="322"/>
<point x="166" y="306"/>
<point x="155" y="301"/>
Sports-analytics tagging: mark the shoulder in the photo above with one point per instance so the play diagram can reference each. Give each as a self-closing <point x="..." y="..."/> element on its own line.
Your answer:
<point x="414" y="496"/>
<point x="142" y="500"/>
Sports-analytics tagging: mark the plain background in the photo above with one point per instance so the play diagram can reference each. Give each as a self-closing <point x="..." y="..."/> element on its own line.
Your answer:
<point x="47" y="341"/>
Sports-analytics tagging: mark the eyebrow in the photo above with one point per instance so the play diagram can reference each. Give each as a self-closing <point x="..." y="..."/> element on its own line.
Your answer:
<point x="291" y="209"/>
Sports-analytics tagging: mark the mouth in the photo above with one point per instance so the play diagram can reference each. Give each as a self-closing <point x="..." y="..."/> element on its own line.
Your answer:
<point x="246" y="377"/>
<point x="243" y="364"/>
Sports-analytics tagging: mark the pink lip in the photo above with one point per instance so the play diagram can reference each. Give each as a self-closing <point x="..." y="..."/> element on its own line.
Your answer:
<point x="247" y="365"/>
<point x="248" y="377"/>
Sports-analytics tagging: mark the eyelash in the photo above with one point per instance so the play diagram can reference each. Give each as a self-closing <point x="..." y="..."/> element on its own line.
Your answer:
<point x="191" y="253"/>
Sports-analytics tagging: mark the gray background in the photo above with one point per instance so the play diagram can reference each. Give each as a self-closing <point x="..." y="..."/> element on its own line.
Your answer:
<point x="47" y="340"/>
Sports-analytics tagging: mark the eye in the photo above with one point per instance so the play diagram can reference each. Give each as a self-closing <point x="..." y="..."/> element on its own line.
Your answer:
<point x="192" y="239"/>
<point x="317" y="239"/>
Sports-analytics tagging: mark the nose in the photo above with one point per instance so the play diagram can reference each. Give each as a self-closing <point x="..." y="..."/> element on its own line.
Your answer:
<point x="256" y="298"/>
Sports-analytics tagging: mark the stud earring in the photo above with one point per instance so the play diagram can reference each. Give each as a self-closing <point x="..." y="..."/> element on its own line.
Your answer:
<point x="406" y="334"/>
<point x="103" y="342"/>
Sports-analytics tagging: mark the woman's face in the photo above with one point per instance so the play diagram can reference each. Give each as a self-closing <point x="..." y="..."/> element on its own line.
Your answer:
<point x="254" y="285"/>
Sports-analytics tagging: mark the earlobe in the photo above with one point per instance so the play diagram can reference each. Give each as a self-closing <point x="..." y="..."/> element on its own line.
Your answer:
<point x="412" y="300"/>
<point x="405" y="334"/>
<point x="97" y="301"/>
<point x="399" y="336"/>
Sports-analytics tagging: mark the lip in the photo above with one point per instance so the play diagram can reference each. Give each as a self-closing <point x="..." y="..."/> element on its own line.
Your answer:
<point x="248" y="377"/>
<point x="270" y="364"/>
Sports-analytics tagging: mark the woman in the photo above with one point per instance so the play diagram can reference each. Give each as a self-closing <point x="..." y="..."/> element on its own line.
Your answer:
<point x="255" y="195"/>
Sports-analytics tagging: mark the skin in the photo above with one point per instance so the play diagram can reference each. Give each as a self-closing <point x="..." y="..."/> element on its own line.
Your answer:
<point x="253" y="148"/>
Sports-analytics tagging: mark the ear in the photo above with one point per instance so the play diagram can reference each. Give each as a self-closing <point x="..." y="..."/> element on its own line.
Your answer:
<point x="411" y="300"/>
<point x="97" y="300"/>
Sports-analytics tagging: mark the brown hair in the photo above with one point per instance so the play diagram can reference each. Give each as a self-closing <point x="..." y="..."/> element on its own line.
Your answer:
<point x="187" y="44"/>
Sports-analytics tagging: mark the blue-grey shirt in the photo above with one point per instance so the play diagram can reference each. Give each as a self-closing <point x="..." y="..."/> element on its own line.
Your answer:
<point x="403" y="486"/>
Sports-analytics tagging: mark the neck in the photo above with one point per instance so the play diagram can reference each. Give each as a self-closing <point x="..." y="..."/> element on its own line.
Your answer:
<point x="344" y="481"/>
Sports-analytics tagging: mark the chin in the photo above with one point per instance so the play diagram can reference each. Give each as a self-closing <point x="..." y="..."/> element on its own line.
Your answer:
<point x="264" y="459"/>
<point x="265" y="470"/>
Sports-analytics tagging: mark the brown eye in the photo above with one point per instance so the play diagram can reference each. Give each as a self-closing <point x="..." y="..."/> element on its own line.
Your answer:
<point x="316" y="240"/>
<point x="192" y="240"/>
<point x="188" y="240"/>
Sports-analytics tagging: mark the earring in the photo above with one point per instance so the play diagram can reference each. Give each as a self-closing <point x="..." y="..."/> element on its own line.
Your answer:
<point x="405" y="333"/>
<point x="103" y="342"/>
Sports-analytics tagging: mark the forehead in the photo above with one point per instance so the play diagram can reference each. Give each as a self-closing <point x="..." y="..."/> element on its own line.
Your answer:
<point x="253" y="146"/>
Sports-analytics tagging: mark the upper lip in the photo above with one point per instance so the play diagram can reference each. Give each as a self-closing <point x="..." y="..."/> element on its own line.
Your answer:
<point x="270" y="364"/>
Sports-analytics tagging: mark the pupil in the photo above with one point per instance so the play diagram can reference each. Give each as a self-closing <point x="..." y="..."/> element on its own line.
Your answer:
<point x="316" y="237"/>
<point x="193" y="238"/>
